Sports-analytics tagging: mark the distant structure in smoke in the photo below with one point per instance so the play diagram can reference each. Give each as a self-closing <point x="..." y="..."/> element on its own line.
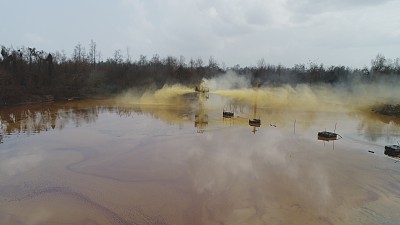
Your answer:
<point x="202" y="87"/>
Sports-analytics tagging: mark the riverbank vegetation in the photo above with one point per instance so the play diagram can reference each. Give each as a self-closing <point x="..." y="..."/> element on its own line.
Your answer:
<point x="28" y="74"/>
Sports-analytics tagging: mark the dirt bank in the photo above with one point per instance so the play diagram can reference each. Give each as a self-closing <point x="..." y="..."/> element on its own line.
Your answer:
<point x="388" y="109"/>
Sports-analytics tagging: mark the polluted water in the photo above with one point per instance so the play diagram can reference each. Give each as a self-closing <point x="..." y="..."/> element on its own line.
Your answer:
<point x="169" y="156"/>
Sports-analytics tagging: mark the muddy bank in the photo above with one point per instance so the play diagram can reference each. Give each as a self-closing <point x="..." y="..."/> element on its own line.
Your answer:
<point x="387" y="109"/>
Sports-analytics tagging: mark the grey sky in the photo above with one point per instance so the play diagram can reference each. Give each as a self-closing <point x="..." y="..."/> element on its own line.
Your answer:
<point x="332" y="32"/>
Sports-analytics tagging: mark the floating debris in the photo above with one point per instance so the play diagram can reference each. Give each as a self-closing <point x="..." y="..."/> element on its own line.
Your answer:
<point x="255" y="122"/>
<point x="392" y="150"/>
<point x="371" y="151"/>
<point x="326" y="135"/>
<point x="227" y="114"/>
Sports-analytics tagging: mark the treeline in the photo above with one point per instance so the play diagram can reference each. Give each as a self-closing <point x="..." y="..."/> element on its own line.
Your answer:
<point x="318" y="73"/>
<point x="28" y="74"/>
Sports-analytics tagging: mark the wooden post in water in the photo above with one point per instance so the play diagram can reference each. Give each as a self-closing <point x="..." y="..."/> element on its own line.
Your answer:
<point x="255" y="103"/>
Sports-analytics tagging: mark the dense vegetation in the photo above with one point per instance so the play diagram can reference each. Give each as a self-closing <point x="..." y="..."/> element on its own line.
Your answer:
<point x="30" y="75"/>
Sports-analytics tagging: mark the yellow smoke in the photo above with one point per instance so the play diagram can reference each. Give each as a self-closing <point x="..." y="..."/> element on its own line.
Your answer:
<point x="168" y="95"/>
<point x="300" y="97"/>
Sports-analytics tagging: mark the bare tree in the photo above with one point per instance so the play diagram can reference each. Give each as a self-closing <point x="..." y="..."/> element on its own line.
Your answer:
<point x="261" y="64"/>
<point x="32" y="52"/>
<point x="118" y="58"/>
<point x="99" y="56"/>
<point x="181" y="61"/>
<point x="92" y="52"/>
<point x="378" y="64"/>
<point x="212" y="63"/>
<point x="142" y="60"/>
<point x="155" y="60"/>
<point x="171" y="62"/>
<point x="79" y="54"/>
<point x="199" y="62"/>
<point x="192" y="63"/>
<point x="128" y="55"/>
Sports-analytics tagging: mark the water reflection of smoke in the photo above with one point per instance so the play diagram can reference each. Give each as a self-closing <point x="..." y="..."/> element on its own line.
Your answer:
<point x="375" y="127"/>
<point x="19" y="162"/>
<point x="228" y="174"/>
<point x="263" y="166"/>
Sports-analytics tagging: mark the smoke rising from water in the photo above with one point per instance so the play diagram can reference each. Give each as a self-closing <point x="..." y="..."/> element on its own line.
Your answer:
<point x="322" y="97"/>
<point x="164" y="96"/>
<point x="317" y="97"/>
<point x="229" y="81"/>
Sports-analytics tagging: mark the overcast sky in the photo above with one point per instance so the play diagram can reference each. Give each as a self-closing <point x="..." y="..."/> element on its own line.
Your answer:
<point x="287" y="32"/>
